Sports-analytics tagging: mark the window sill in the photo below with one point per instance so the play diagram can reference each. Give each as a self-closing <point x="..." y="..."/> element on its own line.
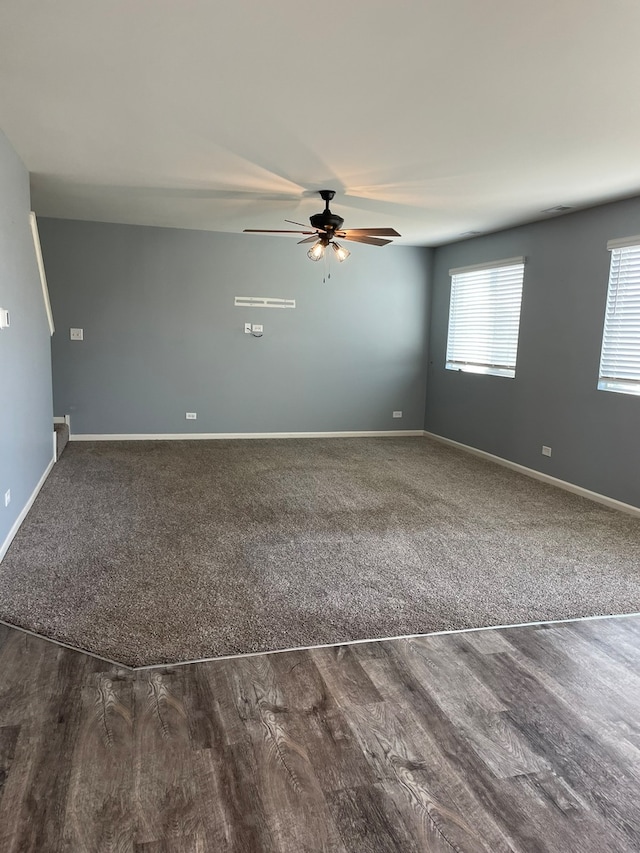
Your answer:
<point x="631" y="388"/>
<point x="505" y="372"/>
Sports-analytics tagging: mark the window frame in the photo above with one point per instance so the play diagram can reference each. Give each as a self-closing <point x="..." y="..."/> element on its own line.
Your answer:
<point x="612" y="317"/>
<point x="484" y="367"/>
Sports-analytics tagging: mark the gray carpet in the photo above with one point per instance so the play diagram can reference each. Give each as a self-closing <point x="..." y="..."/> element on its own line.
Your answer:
<point x="150" y="552"/>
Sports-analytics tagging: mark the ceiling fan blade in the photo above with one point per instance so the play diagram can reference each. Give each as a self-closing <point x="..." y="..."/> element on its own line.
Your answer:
<point x="373" y="232"/>
<point x="319" y="230"/>
<point x="274" y="231"/>
<point x="291" y="222"/>
<point x="360" y="238"/>
<point x="309" y="239"/>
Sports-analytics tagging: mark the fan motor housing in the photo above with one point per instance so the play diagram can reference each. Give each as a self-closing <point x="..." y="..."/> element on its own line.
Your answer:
<point x="327" y="221"/>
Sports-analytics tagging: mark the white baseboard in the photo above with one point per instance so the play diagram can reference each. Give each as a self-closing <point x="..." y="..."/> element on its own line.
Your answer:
<point x="4" y="547"/>
<point x="539" y="475"/>
<point x="208" y="436"/>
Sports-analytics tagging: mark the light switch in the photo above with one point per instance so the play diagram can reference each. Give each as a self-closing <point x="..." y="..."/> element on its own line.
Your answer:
<point x="76" y="334"/>
<point x="4" y="318"/>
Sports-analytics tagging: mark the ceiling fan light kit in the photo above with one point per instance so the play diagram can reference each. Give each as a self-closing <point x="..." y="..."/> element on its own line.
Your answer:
<point x="326" y="226"/>
<point x="316" y="252"/>
<point x="340" y="252"/>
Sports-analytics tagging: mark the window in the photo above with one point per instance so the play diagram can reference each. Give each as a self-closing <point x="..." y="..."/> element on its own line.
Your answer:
<point x="620" y="359"/>
<point x="484" y="317"/>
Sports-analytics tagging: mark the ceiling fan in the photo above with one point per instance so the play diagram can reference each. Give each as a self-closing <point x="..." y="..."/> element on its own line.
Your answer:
<point x="326" y="226"/>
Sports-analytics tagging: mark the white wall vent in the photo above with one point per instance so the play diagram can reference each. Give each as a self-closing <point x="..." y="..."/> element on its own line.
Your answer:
<point x="263" y="302"/>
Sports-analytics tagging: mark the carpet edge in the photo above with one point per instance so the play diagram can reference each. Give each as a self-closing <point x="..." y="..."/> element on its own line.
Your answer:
<point x="4" y="546"/>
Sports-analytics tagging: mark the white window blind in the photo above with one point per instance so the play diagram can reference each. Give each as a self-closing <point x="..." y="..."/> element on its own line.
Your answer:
<point x="620" y="359"/>
<point x="484" y="317"/>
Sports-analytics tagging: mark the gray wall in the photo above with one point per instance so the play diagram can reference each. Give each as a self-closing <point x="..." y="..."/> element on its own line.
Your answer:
<point x="553" y="400"/>
<point x="162" y="336"/>
<point x="26" y="444"/>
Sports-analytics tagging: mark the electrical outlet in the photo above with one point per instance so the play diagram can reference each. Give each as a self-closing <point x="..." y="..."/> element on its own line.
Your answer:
<point x="7" y="497"/>
<point x="191" y="416"/>
<point x="397" y="414"/>
<point x="546" y="451"/>
<point x="76" y="334"/>
<point x="257" y="327"/>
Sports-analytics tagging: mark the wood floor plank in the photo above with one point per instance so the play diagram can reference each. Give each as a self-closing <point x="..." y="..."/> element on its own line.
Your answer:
<point x="618" y="638"/>
<point x="487" y="642"/>
<point x="255" y="687"/>
<point x="427" y="833"/>
<point x="320" y="724"/>
<point x="333" y="749"/>
<point x="192" y="844"/>
<point x="34" y="799"/>
<point x="629" y="731"/>
<point x="594" y="678"/>
<point x="584" y="675"/>
<point x="502" y="809"/>
<point x="5" y="633"/>
<point x="231" y="811"/>
<point x="293" y="800"/>
<point x="8" y="740"/>
<point x="303" y="688"/>
<point x="200" y="698"/>
<point x="27" y="666"/>
<point x="438" y="665"/>
<point x="559" y="819"/>
<point x="509" y="741"/>
<point x="294" y="803"/>
<point x="369" y="821"/>
<point x="407" y="759"/>
<point x="556" y="731"/>
<point x="217" y="674"/>
<point x="165" y="795"/>
<point x="99" y="811"/>
<point x="345" y="677"/>
<point x="581" y="684"/>
<point x="472" y="708"/>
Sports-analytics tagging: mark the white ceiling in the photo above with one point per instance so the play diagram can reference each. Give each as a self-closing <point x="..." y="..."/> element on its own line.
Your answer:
<point x="435" y="117"/>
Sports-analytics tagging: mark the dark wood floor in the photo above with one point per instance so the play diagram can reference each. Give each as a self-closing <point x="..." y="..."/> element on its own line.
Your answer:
<point x="522" y="739"/>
